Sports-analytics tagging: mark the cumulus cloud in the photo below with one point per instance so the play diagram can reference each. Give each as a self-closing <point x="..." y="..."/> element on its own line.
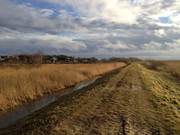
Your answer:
<point x="160" y="32"/>
<point x="42" y="40"/>
<point x="22" y="17"/>
<point x="27" y="18"/>
<point x="114" y="10"/>
<point x="118" y="46"/>
<point x="153" y="46"/>
<point x="101" y="28"/>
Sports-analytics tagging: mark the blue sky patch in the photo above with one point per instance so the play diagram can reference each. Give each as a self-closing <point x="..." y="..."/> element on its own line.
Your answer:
<point x="45" y="5"/>
<point x="165" y="20"/>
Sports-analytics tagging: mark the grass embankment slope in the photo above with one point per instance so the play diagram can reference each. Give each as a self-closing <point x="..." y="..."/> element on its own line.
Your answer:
<point x="166" y="97"/>
<point x="136" y="100"/>
<point x="20" y="84"/>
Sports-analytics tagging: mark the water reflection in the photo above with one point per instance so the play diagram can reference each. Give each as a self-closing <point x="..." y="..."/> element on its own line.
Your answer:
<point x="28" y="109"/>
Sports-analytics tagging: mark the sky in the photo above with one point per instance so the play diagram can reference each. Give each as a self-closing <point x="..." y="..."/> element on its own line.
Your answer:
<point x="91" y="28"/>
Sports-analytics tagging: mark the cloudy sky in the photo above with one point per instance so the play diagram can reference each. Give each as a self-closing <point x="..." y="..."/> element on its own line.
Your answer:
<point x="100" y="28"/>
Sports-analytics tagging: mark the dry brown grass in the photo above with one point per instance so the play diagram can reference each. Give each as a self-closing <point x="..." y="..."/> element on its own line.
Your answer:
<point x="20" y="84"/>
<point x="173" y="65"/>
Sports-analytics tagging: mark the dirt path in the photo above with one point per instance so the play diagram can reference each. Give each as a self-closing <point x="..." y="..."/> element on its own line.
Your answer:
<point x="120" y="105"/>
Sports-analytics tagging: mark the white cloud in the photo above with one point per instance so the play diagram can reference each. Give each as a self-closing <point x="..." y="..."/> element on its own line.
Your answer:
<point x="60" y="42"/>
<point x="175" y="18"/>
<point x="126" y="11"/>
<point x="46" y="12"/>
<point x="118" y="46"/>
<point x="116" y="11"/>
<point x="175" y="45"/>
<point x="152" y="46"/>
<point x="160" y="32"/>
<point x="165" y="8"/>
<point x="92" y="27"/>
<point x="54" y="41"/>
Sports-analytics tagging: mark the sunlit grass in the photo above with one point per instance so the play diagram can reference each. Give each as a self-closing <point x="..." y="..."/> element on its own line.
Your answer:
<point x="173" y="67"/>
<point x="20" y="84"/>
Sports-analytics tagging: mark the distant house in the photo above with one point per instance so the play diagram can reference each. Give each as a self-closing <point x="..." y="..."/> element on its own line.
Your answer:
<point x="1" y="59"/>
<point x="54" y="59"/>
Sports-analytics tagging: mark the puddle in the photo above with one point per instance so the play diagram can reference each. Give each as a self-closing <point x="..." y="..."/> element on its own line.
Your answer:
<point x="25" y="110"/>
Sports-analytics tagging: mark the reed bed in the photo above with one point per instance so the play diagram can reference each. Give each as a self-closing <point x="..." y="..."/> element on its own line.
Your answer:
<point x="20" y="84"/>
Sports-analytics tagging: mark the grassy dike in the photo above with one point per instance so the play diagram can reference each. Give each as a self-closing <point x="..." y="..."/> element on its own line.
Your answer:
<point x="166" y="98"/>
